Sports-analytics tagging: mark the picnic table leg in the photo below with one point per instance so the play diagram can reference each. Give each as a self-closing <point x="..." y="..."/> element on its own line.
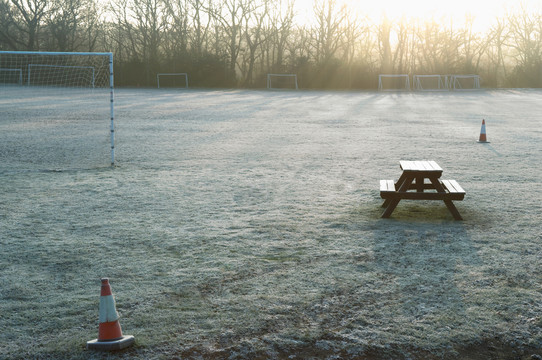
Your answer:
<point x="455" y="213"/>
<point x="391" y="204"/>
<point x="419" y="184"/>
<point x="437" y="185"/>
<point x="449" y="204"/>
<point x="401" y="180"/>
<point x="398" y="185"/>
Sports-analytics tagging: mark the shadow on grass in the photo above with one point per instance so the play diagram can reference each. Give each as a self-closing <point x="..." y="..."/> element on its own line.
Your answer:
<point x="420" y="253"/>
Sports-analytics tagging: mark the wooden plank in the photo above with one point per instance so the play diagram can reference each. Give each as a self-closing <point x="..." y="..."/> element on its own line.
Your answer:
<point x="422" y="195"/>
<point x="406" y="165"/>
<point x="420" y="166"/>
<point x="435" y="166"/>
<point x="387" y="186"/>
<point x="426" y="186"/>
<point x="457" y="187"/>
<point x="417" y="166"/>
<point x="452" y="186"/>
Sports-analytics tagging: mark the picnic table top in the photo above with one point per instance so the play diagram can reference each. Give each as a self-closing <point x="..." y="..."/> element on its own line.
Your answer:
<point x="417" y="166"/>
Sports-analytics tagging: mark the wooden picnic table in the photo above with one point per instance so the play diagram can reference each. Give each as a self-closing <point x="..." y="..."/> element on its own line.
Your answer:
<point x="420" y="180"/>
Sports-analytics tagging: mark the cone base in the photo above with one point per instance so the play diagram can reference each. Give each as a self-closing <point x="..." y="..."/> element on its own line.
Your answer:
<point x="482" y="142"/>
<point x="119" y="344"/>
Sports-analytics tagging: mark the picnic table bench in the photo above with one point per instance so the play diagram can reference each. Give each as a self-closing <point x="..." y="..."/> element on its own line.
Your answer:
<point x="420" y="180"/>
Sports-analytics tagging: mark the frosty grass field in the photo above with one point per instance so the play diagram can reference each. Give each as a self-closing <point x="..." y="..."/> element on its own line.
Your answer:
<point x="246" y="224"/>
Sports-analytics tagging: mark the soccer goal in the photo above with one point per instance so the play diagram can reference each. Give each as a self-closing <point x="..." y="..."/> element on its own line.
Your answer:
<point x="397" y="82"/>
<point x="282" y="81"/>
<point x="11" y="76"/>
<point x="465" y="82"/>
<point x="428" y="83"/>
<point x="172" y="80"/>
<point x="59" y="111"/>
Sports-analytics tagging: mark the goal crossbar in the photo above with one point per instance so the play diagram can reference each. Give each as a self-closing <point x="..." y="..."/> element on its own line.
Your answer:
<point x="108" y="55"/>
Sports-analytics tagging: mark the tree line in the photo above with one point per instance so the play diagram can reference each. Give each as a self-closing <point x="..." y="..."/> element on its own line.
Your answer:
<point x="236" y="43"/>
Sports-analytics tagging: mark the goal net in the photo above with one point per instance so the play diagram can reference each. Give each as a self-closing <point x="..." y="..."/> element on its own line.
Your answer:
<point x="61" y="75"/>
<point x="398" y="82"/>
<point x="10" y="76"/>
<point x="282" y="81"/>
<point x="58" y="110"/>
<point x="465" y="82"/>
<point x="172" y="80"/>
<point x="428" y="83"/>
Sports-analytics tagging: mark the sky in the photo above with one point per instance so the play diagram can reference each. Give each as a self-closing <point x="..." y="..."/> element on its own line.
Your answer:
<point x="484" y="11"/>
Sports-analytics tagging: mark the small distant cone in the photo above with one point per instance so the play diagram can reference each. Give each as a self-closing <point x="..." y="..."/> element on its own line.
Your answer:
<point x="109" y="332"/>
<point x="483" y="138"/>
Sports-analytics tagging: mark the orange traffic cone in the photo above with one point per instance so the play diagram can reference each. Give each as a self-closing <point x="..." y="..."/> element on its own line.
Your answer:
<point x="483" y="138"/>
<point x="109" y="332"/>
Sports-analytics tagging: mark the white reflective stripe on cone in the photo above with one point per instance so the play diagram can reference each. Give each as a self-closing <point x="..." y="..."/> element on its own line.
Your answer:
<point x="108" y="311"/>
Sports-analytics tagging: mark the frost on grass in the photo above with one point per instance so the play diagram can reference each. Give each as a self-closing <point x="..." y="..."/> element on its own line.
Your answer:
<point x="243" y="224"/>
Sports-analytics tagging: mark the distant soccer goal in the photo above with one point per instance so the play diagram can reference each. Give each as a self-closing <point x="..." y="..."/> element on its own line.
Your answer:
<point x="282" y="81"/>
<point x="11" y="76"/>
<point x="428" y="83"/>
<point x="396" y="82"/>
<point x="61" y="111"/>
<point x="465" y="82"/>
<point x="172" y="80"/>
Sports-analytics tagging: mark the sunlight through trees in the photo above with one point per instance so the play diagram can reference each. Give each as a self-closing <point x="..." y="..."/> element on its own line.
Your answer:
<point x="236" y="43"/>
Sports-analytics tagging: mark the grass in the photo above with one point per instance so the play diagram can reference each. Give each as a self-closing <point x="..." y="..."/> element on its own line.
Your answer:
<point x="254" y="231"/>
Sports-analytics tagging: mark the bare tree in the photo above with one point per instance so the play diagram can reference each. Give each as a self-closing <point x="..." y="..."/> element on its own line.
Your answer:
<point x="300" y="47"/>
<point x="176" y="44"/>
<point x="280" y="31"/>
<point x="472" y="49"/>
<point x="255" y="19"/>
<point x="8" y="28"/>
<point x="526" y="41"/>
<point x="384" y="46"/>
<point x="142" y="23"/>
<point x="231" y="16"/>
<point x="394" y="59"/>
<point x="22" y="22"/>
<point x="497" y="37"/>
<point x="329" y="31"/>
<point x="72" y="25"/>
<point x="200" y="25"/>
<point x="437" y="48"/>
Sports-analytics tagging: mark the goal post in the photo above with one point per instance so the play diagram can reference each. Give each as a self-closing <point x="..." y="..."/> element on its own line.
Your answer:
<point x="428" y="83"/>
<point x="172" y="80"/>
<point x="282" y="81"/>
<point x="393" y="82"/>
<point x="68" y="80"/>
<point x="465" y="82"/>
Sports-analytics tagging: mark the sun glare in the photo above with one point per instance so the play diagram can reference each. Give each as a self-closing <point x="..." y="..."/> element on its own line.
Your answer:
<point x="483" y="12"/>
